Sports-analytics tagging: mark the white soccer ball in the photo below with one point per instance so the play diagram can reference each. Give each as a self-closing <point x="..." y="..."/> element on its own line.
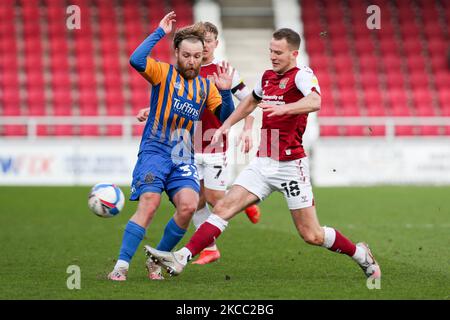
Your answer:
<point x="106" y="200"/>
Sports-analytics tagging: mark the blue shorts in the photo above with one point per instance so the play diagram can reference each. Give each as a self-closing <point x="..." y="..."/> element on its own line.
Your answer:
<point x="155" y="172"/>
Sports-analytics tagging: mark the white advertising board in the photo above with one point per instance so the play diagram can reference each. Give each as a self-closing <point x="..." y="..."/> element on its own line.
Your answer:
<point x="347" y="162"/>
<point x="67" y="162"/>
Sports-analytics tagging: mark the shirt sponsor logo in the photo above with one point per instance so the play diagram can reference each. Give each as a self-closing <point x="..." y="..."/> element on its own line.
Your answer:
<point x="185" y="109"/>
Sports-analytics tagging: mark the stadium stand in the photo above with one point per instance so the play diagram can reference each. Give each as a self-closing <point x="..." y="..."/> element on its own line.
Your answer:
<point x="46" y="69"/>
<point x="399" y="70"/>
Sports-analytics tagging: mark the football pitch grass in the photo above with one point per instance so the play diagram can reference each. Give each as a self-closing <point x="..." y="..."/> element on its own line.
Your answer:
<point x="43" y="230"/>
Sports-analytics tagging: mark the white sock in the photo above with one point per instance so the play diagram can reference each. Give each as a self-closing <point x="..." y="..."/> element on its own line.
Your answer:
<point x="121" y="264"/>
<point x="360" y="255"/>
<point x="329" y="237"/>
<point x="200" y="216"/>
<point x="211" y="247"/>
<point x="217" y="221"/>
<point x="183" y="255"/>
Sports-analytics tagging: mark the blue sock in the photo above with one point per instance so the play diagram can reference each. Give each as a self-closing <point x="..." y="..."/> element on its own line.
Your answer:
<point x="172" y="235"/>
<point x="132" y="237"/>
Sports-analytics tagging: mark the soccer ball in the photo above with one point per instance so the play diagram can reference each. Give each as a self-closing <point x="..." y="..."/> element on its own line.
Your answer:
<point x="106" y="200"/>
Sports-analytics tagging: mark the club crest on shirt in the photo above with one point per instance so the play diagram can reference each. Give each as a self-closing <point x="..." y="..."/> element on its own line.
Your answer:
<point x="149" y="177"/>
<point x="177" y="85"/>
<point x="283" y="83"/>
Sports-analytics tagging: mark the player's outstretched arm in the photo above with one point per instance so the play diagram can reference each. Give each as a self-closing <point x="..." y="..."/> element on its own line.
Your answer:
<point x="223" y="80"/>
<point x="138" y="58"/>
<point x="244" y="108"/>
<point x="308" y="104"/>
<point x="241" y="91"/>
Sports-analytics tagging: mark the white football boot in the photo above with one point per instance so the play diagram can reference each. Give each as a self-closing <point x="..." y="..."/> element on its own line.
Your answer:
<point x="370" y="265"/>
<point x="154" y="270"/>
<point x="165" y="259"/>
<point x="119" y="274"/>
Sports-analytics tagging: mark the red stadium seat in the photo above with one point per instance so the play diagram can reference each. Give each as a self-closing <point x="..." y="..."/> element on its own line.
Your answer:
<point x="349" y="99"/>
<point x="376" y="111"/>
<point x="343" y="63"/>
<point x="444" y="97"/>
<point x="327" y="110"/>
<point x="355" y="131"/>
<point x="345" y="80"/>
<point x="114" y="102"/>
<point x="442" y="79"/>
<point x="365" y="46"/>
<point x="315" y="46"/>
<point x="62" y="102"/>
<point x="416" y="63"/>
<point x="438" y="63"/>
<point x="114" y="130"/>
<point x="85" y="63"/>
<point x="376" y="131"/>
<point x="389" y="46"/>
<point x="392" y="63"/>
<point x="87" y="80"/>
<point x="88" y="130"/>
<point x="14" y="130"/>
<point x="340" y="46"/>
<point x="373" y="98"/>
<point x="63" y="130"/>
<point x="138" y="130"/>
<point x="36" y="102"/>
<point x="430" y="130"/>
<point x="446" y="130"/>
<point x="319" y="61"/>
<point x="395" y="81"/>
<point x="88" y="102"/>
<point x="369" y="63"/>
<point x="327" y="131"/>
<point x="423" y="99"/>
<point x="405" y="131"/>
<point x="437" y="46"/>
<point x="370" y="80"/>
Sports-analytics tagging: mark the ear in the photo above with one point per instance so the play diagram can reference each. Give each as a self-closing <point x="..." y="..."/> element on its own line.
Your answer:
<point x="177" y="51"/>
<point x="295" y="53"/>
<point x="217" y="43"/>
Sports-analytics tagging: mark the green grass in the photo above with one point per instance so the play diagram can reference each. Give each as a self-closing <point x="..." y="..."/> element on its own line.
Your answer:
<point x="43" y="230"/>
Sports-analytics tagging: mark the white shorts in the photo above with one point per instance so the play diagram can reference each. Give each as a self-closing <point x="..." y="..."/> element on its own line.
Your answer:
<point x="212" y="169"/>
<point x="265" y="175"/>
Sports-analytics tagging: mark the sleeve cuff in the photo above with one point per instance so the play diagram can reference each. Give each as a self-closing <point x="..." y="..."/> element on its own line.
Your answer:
<point x="256" y="96"/>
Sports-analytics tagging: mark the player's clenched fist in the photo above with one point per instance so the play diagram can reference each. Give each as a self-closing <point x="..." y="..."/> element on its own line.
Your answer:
<point x="143" y="114"/>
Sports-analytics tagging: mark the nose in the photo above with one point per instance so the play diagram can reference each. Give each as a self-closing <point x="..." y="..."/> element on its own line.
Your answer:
<point x="191" y="61"/>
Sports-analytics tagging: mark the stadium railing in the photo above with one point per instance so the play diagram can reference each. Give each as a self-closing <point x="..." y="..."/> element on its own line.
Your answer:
<point x="129" y="122"/>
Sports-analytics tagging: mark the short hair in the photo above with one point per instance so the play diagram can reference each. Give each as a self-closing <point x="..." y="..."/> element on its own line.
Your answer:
<point x="292" y="37"/>
<point x="210" y="27"/>
<point x="192" y="32"/>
